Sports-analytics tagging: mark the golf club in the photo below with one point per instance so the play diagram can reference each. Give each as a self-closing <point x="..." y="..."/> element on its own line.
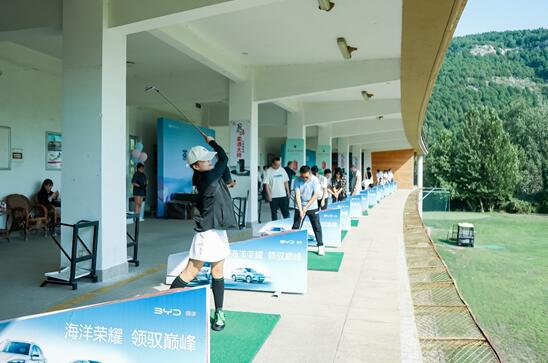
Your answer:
<point x="181" y="113"/>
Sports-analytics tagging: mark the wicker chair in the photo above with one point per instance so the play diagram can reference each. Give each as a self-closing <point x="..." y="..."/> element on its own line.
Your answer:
<point x="54" y="216"/>
<point x="25" y="216"/>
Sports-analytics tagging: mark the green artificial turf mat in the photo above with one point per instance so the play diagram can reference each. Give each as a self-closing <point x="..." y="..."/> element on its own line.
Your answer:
<point x="244" y="335"/>
<point x="354" y="222"/>
<point x="343" y="234"/>
<point x="330" y="262"/>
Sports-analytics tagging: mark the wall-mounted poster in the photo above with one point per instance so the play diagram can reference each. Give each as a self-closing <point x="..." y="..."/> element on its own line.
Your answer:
<point x="5" y="148"/>
<point x="54" y="145"/>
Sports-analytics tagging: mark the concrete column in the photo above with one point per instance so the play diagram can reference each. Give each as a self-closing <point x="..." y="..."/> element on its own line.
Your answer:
<point x="366" y="159"/>
<point x="344" y="156"/>
<point x="323" y="152"/>
<point x="94" y="130"/>
<point x="357" y="156"/>
<point x="420" y="161"/>
<point x="296" y="139"/>
<point x="243" y="108"/>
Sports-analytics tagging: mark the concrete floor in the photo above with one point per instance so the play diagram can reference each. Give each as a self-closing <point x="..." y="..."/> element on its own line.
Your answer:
<point x="363" y="313"/>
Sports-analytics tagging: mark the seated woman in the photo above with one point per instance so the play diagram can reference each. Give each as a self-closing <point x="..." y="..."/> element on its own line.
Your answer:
<point x="46" y="197"/>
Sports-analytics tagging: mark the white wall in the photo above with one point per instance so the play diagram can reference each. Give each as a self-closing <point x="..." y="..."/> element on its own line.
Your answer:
<point x="267" y="146"/>
<point x="30" y="103"/>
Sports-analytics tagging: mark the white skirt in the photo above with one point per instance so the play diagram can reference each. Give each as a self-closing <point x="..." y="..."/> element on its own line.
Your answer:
<point x="210" y="246"/>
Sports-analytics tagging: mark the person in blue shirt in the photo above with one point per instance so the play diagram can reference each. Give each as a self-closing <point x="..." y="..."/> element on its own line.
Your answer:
<point x="307" y="190"/>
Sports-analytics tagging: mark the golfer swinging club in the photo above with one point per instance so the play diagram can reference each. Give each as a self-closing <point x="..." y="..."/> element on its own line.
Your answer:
<point x="213" y="215"/>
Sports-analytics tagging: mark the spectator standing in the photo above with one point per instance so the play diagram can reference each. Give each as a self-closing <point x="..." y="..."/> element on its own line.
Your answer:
<point x="379" y="177"/>
<point x="322" y="198"/>
<point x="139" y="182"/>
<point x="277" y="189"/>
<point x="356" y="180"/>
<point x="289" y="169"/>
<point x="390" y="175"/>
<point x="327" y="175"/>
<point x="385" y="177"/>
<point x="338" y="185"/>
<point x="367" y="179"/>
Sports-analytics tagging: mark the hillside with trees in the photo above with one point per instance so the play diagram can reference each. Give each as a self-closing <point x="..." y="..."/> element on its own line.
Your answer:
<point x="486" y="126"/>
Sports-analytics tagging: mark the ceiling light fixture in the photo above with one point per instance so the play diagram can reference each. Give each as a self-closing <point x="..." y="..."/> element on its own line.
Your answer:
<point x="345" y="49"/>
<point x="366" y="95"/>
<point x="325" y="5"/>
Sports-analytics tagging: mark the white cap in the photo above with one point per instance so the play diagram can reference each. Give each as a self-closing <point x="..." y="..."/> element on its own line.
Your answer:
<point x="199" y="153"/>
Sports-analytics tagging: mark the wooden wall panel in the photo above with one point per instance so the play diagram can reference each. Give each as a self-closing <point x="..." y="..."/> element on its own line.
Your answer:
<point x="401" y="162"/>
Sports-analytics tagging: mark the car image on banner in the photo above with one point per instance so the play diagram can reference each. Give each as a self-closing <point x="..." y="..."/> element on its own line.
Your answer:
<point x="276" y="262"/>
<point x="247" y="274"/>
<point x="12" y="351"/>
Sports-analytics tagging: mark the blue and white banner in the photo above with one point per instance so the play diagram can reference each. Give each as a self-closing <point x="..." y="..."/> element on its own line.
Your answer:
<point x="172" y="326"/>
<point x="277" y="262"/>
<point x="372" y="197"/>
<point x="364" y="195"/>
<point x="330" y="221"/>
<point x="345" y="213"/>
<point x="379" y="193"/>
<point x="355" y="207"/>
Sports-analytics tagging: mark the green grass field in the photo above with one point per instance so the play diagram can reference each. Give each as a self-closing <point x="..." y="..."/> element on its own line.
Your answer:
<point x="504" y="277"/>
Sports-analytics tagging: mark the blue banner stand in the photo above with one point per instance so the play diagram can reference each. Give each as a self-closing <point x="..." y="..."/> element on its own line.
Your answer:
<point x="274" y="263"/>
<point x="345" y="213"/>
<point x="355" y="207"/>
<point x="331" y="228"/>
<point x="171" y="326"/>
<point x="364" y="195"/>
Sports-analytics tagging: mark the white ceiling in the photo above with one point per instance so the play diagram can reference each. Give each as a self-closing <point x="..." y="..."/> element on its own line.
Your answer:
<point x="155" y="58"/>
<point x="388" y="90"/>
<point x="45" y="40"/>
<point x="296" y="31"/>
<point x="282" y="33"/>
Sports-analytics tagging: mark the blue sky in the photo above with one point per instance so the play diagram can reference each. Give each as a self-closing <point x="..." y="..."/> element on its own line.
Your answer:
<point x="481" y="16"/>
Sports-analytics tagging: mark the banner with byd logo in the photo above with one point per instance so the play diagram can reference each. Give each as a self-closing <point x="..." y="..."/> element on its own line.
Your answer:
<point x="172" y="326"/>
<point x="276" y="263"/>
<point x="330" y="221"/>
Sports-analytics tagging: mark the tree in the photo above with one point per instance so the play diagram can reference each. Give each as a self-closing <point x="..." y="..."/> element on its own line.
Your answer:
<point x="528" y="130"/>
<point x="437" y="163"/>
<point x="485" y="172"/>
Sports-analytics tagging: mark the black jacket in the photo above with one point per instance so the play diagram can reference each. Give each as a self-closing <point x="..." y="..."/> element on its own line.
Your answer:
<point x="214" y="208"/>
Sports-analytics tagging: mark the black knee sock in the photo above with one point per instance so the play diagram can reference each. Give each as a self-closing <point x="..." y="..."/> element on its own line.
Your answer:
<point x="218" y="287"/>
<point x="178" y="282"/>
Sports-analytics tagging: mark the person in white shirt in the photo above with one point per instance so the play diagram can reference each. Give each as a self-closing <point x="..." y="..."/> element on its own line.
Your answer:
<point x="385" y="177"/>
<point x="322" y="198"/>
<point x="379" y="177"/>
<point x="367" y="179"/>
<point x="277" y="189"/>
<point x="390" y="175"/>
<point x="355" y="181"/>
